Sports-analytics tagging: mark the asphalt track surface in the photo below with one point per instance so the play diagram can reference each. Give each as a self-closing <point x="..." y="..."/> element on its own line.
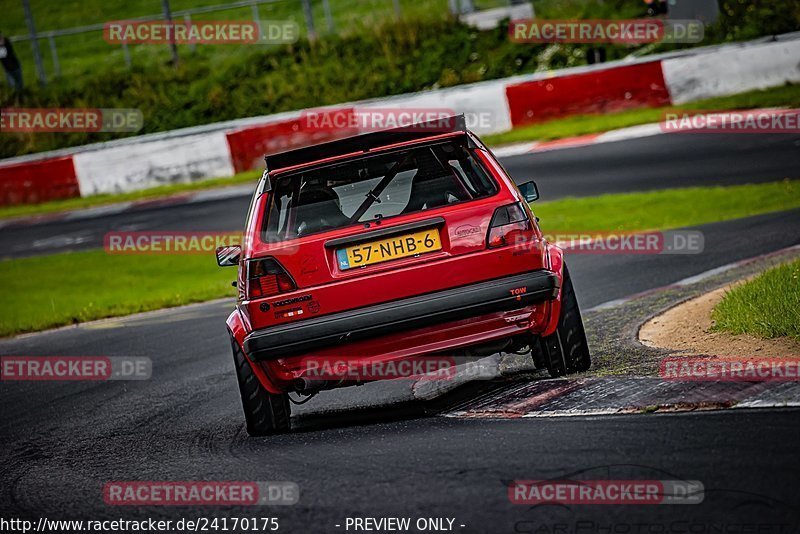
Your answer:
<point x="372" y="451"/>
<point x="660" y="162"/>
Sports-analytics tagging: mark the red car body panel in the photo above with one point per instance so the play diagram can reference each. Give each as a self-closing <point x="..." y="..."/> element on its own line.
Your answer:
<point x="323" y="289"/>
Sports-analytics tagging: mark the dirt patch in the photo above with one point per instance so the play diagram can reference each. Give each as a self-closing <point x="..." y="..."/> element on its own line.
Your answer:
<point x="686" y="328"/>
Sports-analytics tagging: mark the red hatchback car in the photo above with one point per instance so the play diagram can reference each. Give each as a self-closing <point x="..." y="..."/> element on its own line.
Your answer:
<point x="388" y="246"/>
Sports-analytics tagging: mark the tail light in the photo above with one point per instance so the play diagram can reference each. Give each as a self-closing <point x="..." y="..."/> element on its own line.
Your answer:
<point x="510" y="224"/>
<point x="267" y="277"/>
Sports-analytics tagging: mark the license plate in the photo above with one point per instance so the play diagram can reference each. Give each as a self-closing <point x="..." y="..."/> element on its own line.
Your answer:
<point x="388" y="249"/>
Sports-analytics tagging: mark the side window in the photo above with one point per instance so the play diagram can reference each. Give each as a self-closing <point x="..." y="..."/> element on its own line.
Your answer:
<point x="472" y="174"/>
<point x="456" y="166"/>
<point x="279" y="206"/>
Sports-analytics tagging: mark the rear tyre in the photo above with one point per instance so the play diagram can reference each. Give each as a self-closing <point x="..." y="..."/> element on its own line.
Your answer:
<point x="566" y="351"/>
<point x="264" y="412"/>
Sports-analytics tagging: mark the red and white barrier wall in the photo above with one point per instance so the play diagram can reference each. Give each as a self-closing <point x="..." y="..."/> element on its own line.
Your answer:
<point x="732" y="69"/>
<point x="248" y="145"/>
<point x="597" y="91"/>
<point x="227" y="148"/>
<point x="38" y="181"/>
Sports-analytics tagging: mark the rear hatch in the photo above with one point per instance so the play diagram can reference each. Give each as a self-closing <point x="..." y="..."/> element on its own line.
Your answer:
<point x="375" y="227"/>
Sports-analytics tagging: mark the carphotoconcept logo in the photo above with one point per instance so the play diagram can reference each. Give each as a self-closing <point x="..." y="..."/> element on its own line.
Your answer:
<point x="208" y="32"/>
<point x="200" y="493"/>
<point x="635" y="31"/>
<point x="74" y="368"/>
<point x="29" y="120"/>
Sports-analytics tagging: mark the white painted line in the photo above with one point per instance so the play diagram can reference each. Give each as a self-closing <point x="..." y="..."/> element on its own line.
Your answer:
<point x="632" y="132"/>
<point x="718" y="270"/>
<point x="691" y="280"/>
<point x="705" y="275"/>
<point x="220" y="193"/>
<point x="506" y="151"/>
<point x="768" y="404"/>
<point x="533" y="415"/>
<point x="99" y="211"/>
<point x="622" y="134"/>
<point x="576" y="413"/>
<point x="224" y="193"/>
<point x="612" y="303"/>
<point x="223" y="303"/>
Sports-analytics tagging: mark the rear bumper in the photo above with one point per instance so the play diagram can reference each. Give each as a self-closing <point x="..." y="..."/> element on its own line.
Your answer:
<point x="508" y="293"/>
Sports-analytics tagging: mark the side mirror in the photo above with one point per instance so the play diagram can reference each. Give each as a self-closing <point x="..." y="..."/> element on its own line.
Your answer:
<point x="529" y="191"/>
<point x="228" y="256"/>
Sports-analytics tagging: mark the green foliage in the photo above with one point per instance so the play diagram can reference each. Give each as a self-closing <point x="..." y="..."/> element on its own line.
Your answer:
<point x="386" y="60"/>
<point x="748" y="19"/>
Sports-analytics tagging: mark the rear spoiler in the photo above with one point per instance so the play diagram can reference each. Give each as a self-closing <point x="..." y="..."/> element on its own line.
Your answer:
<point x="361" y="143"/>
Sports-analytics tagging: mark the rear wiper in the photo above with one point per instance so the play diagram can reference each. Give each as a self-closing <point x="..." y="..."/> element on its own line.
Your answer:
<point x="373" y="195"/>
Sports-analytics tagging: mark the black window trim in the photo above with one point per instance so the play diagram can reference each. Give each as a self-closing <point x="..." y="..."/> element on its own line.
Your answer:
<point x="472" y="152"/>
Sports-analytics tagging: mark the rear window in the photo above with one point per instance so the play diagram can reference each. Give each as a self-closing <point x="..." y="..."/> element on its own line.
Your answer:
<point x="375" y="187"/>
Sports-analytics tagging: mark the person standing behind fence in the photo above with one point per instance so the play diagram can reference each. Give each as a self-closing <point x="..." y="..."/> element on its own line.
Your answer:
<point x="10" y="64"/>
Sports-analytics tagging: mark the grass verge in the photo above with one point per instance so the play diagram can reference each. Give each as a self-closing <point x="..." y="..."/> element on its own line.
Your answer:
<point x="767" y="306"/>
<point x="783" y="96"/>
<point x="662" y="210"/>
<point x="49" y="291"/>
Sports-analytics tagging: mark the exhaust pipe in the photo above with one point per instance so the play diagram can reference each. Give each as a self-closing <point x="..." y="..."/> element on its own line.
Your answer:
<point x="307" y="385"/>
